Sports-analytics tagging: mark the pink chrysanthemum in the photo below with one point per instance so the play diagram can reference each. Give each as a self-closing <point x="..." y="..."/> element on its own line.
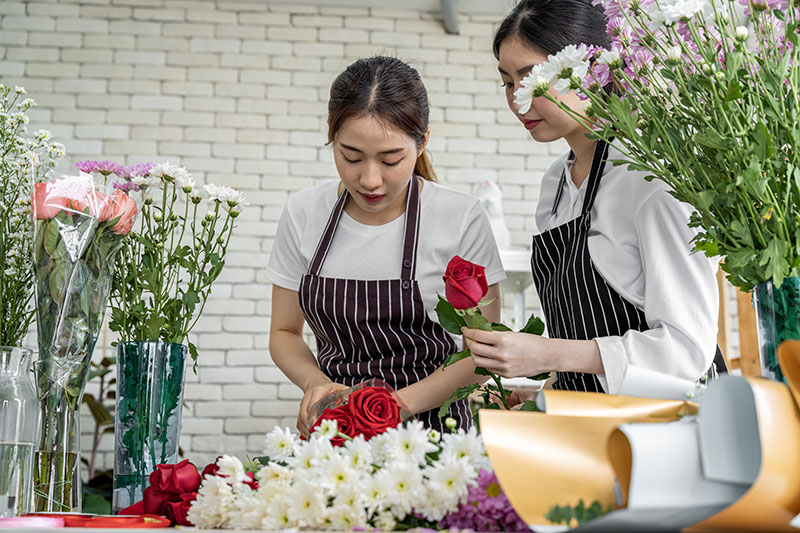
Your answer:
<point x="103" y="167"/>
<point x="127" y="186"/>
<point x="487" y="509"/>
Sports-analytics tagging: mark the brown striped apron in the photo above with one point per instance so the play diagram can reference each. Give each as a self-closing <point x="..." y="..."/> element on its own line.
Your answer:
<point x="377" y="328"/>
<point x="576" y="300"/>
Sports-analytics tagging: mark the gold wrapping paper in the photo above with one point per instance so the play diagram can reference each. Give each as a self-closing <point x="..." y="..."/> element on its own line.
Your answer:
<point x="543" y="460"/>
<point x="590" y="404"/>
<point x="789" y="359"/>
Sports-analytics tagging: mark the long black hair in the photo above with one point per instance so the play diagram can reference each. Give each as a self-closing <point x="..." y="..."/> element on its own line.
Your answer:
<point x="551" y="25"/>
<point x="388" y="89"/>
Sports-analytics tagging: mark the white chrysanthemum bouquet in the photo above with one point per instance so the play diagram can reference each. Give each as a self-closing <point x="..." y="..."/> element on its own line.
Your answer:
<point x="406" y="477"/>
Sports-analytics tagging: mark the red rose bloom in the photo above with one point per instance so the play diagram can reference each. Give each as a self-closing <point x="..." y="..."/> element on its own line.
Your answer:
<point x="345" y="423"/>
<point x="210" y="469"/>
<point x="154" y="499"/>
<point x="374" y="410"/>
<point x="176" y="511"/>
<point x="464" y="283"/>
<point x="176" y="479"/>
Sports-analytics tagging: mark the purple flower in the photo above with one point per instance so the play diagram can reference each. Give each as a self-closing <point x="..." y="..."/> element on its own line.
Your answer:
<point x="486" y="509"/>
<point x="103" y="167"/>
<point x="86" y="166"/>
<point x="142" y="169"/>
<point x="125" y="186"/>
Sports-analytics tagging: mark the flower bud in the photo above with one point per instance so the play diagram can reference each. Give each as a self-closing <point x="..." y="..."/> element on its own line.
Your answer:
<point x="235" y="212"/>
<point x="173" y="217"/>
<point x="450" y="423"/>
<point x="674" y="54"/>
<point x="157" y="216"/>
<point x="434" y="436"/>
<point x="187" y="189"/>
<point x="741" y="33"/>
<point x="210" y="216"/>
<point x="220" y="240"/>
<point x="148" y="201"/>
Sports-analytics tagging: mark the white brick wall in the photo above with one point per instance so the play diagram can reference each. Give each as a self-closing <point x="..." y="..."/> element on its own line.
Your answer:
<point x="237" y="93"/>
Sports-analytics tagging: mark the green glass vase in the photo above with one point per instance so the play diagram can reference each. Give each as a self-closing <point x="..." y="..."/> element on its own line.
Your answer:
<point x="777" y="319"/>
<point x="147" y="422"/>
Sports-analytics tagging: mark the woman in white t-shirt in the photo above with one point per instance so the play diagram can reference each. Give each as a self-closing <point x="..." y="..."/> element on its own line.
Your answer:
<point x="612" y="265"/>
<point x="362" y="259"/>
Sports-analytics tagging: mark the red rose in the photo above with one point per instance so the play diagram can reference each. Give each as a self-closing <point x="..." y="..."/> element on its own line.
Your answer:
<point x="176" y="479"/>
<point x="345" y="423"/>
<point x="176" y="511"/>
<point x="252" y="483"/>
<point x="464" y="283"/>
<point x="374" y="410"/>
<point x="154" y="499"/>
<point x="210" y="470"/>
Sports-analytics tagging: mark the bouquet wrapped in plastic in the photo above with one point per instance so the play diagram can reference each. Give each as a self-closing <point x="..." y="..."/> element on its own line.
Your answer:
<point x="78" y="230"/>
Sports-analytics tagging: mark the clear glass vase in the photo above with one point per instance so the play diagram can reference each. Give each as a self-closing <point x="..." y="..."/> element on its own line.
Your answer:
<point x="147" y="421"/>
<point x="777" y="319"/>
<point x="57" y="480"/>
<point x="19" y="421"/>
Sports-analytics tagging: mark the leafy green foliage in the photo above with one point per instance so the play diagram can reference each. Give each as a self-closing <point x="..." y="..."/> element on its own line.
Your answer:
<point x="168" y="266"/>
<point x="579" y="514"/>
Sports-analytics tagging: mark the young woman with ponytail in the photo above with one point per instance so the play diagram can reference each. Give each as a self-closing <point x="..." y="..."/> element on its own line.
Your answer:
<point x="361" y="260"/>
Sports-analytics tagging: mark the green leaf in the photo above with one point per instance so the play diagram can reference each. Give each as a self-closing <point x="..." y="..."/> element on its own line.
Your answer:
<point x="540" y="377"/>
<point x="529" y="405"/>
<point x="456" y="357"/>
<point x="101" y="415"/>
<point x="477" y="321"/>
<point x="462" y="393"/>
<point x="482" y="371"/>
<point x="448" y="317"/>
<point x="500" y="327"/>
<point x="534" y="326"/>
<point x="774" y="258"/>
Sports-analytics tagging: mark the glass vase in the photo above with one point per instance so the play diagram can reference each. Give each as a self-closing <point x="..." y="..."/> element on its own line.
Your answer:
<point x="777" y="319"/>
<point x="57" y="480"/>
<point x="147" y="422"/>
<point x="19" y="421"/>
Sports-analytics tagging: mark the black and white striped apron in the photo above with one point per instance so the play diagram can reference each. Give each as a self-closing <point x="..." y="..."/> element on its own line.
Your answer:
<point x="377" y="328"/>
<point x="576" y="300"/>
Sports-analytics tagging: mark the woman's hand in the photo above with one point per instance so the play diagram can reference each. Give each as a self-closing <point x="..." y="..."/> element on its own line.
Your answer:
<point x="508" y="354"/>
<point x="312" y="395"/>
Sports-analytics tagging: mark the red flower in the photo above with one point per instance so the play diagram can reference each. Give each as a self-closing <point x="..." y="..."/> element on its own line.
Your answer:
<point x="464" y="283"/>
<point x="253" y="484"/>
<point x="124" y="209"/>
<point x="46" y="203"/>
<point x="211" y="469"/>
<point x="176" y="479"/>
<point x="176" y="511"/>
<point x="154" y="499"/>
<point x="374" y="410"/>
<point x="345" y="423"/>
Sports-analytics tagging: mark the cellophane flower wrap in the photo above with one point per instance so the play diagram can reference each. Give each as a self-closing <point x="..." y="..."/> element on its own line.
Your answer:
<point x="704" y="96"/>
<point x="78" y="230"/>
<point x="367" y="409"/>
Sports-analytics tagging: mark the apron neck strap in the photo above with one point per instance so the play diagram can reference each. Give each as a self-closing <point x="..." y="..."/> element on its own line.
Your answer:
<point x="410" y="232"/>
<point x="561" y="183"/>
<point x="598" y="166"/>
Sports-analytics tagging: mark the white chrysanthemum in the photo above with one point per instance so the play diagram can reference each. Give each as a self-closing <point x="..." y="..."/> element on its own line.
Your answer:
<point x="250" y="511"/>
<point x="450" y="479"/>
<point x="185" y="182"/>
<point x="146" y="181"/>
<point x="232" y="468"/>
<point x="275" y="474"/>
<point x="378" y="491"/>
<point x="327" y="429"/>
<point x="358" y="453"/>
<point x="168" y="172"/>
<point x="277" y="517"/>
<point x="668" y="12"/>
<point x="610" y="58"/>
<point x="384" y="521"/>
<point x="569" y="63"/>
<point x="410" y="444"/>
<point x="227" y="196"/>
<point x="407" y="488"/>
<point x="345" y="518"/>
<point x="336" y="472"/>
<point x="311" y="455"/>
<point x="674" y="53"/>
<point x="741" y="33"/>
<point x="465" y="444"/>
<point x="351" y="495"/>
<point x="280" y="444"/>
<point x="20" y="90"/>
<point x="538" y="79"/>
<point x="214" y="503"/>
<point x="306" y="504"/>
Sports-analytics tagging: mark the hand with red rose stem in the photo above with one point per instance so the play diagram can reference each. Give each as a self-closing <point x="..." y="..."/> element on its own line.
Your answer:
<point x="311" y="396"/>
<point x="510" y="354"/>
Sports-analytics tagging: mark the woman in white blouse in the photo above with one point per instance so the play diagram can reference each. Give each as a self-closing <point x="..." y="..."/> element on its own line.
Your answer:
<point x="612" y="265"/>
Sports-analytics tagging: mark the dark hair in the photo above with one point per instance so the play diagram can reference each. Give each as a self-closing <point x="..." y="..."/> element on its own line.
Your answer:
<point x="551" y="25"/>
<point x="387" y="89"/>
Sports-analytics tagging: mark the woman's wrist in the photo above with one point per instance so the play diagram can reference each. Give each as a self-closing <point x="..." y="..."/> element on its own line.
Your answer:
<point x="574" y="356"/>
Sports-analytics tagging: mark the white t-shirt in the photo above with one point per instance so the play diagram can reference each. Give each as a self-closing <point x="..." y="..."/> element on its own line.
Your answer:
<point x="640" y="243"/>
<point x="451" y="223"/>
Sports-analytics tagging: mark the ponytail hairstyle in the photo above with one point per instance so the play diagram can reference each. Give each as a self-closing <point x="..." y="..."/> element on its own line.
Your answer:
<point x="550" y="25"/>
<point x="389" y="90"/>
